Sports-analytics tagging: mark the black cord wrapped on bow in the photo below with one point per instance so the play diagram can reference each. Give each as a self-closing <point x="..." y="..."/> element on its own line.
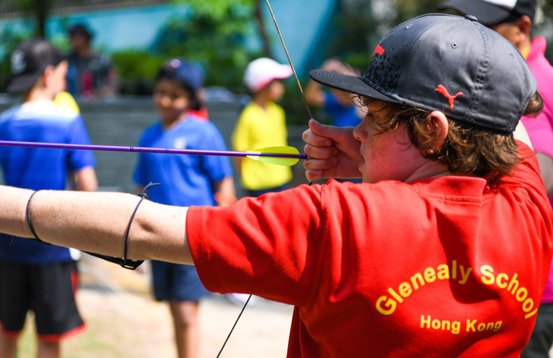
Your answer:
<point x="124" y="261"/>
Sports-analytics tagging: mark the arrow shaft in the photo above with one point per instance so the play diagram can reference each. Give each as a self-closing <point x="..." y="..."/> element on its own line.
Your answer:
<point x="114" y="148"/>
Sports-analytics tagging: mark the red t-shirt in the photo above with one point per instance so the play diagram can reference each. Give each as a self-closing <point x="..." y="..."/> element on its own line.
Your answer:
<point x="443" y="267"/>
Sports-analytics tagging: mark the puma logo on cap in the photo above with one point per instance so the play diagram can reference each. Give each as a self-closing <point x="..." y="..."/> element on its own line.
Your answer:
<point x="443" y="90"/>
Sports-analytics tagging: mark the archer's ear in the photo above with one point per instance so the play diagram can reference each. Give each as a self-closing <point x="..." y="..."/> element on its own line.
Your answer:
<point x="525" y="26"/>
<point x="439" y="124"/>
<point x="47" y="74"/>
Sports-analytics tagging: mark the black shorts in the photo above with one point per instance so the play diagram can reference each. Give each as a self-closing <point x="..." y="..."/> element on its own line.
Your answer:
<point x="48" y="291"/>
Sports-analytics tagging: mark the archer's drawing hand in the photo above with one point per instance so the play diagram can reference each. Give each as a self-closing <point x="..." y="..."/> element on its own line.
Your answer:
<point x="333" y="152"/>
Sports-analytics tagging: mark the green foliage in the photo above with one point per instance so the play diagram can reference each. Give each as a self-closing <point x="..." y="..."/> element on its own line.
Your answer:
<point x="215" y="35"/>
<point x="218" y="10"/>
<point x="293" y="106"/>
<point x="407" y="9"/>
<point x="136" y="69"/>
<point x="359" y="27"/>
<point x="545" y="27"/>
<point x="25" y="5"/>
<point x="9" y="39"/>
<point x="60" y="39"/>
<point x="137" y="64"/>
<point x="355" y="28"/>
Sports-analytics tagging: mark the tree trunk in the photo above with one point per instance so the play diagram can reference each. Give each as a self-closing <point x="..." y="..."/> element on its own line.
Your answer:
<point x="262" y="31"/>
<point x="41" y="13"/>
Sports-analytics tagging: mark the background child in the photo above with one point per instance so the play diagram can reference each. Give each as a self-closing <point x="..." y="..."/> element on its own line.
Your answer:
<point x="262" y="124"/>
<point x="338" y="104"/>
<point x="35" y="276"/>
<point x="90" y="73"/>
<point x="185" y="180"/>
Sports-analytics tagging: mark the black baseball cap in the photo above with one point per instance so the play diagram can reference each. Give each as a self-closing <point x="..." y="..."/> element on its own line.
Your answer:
<point x="28" y="62"/>
<point x="448" y="63"/>
<point x="80" y="30"/>
<point x="492" y="12"/>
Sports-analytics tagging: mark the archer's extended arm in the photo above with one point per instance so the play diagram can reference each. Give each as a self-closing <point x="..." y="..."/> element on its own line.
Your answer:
<point x="97" y="222"/>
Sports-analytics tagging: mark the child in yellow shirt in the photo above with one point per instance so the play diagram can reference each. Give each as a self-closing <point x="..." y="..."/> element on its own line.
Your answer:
<point x="262" y="123"/>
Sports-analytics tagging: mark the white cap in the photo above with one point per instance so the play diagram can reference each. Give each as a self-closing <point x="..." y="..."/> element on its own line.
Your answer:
<point x="263" y="71"/>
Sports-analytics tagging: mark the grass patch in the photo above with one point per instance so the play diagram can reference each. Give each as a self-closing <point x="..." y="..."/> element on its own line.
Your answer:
<point x="103" y="337"/>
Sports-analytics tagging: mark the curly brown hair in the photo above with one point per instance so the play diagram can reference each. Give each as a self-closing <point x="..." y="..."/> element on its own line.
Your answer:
<point x="466" y="149"/>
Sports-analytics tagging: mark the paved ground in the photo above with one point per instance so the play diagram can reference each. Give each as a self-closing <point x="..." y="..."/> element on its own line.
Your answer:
<point x="121" y="315"/>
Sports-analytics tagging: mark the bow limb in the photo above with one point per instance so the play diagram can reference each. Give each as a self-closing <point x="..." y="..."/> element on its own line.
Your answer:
<point x="289" y="60"/>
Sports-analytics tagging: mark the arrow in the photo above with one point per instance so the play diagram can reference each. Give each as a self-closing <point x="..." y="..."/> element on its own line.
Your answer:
<point x="286" y="156"/>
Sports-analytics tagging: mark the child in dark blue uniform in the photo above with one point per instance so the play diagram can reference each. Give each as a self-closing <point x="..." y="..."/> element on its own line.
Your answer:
<point x="36" y="277"/>
<point x="185" y="180"/>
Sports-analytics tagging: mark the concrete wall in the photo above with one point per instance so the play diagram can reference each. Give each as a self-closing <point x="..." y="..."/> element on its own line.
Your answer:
<point x="121" y="122"/>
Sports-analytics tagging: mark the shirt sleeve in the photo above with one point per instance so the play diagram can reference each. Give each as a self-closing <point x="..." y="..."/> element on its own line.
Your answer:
<point x="241" y="140"/>
<point x="331" y="104"/>
<point x="269" y="246"/>
<point x="216" y="167"/>
<point x="79" y="159"/>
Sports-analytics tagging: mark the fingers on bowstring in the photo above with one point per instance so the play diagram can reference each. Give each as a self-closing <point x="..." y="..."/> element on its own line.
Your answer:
<point x="314" y="175"/>
<point x="314" y="152"/>
<point x="320" y="164"/>
<point x="317" y="127"/>
<point x="327" y="134"/>
<point x="311" y="137"/>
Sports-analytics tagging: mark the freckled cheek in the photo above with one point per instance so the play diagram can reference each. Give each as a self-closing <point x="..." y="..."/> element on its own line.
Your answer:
<point x="376" y="162"/>
<point x="375" y="147"/>
<point x="375" y="154"/>
<point x="382" y="150"/>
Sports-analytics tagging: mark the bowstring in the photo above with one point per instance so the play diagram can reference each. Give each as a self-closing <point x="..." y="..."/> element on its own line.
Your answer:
<point x="233" y="326"/>
<point x="310" y="116"/>
<point x="289" y="60"/>
<point x="291" y="64"/>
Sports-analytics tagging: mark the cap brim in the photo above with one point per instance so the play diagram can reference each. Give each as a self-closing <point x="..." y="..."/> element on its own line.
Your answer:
<point x="23" y="83"/>
<point x="349" y="83"/>
<point x="281" y="72"/>
<point x="278" y="74"/>
<point x="486" y="13"/>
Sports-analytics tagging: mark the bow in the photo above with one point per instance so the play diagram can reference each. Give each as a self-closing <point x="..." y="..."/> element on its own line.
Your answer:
<point x="277" y="155"/>
<point x="289" y="60"/>
<point x="310" y="116"/>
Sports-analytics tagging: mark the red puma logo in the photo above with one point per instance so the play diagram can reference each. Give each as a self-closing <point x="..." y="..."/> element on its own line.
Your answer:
<point x="379" y="50"/>
<point x="451" y="98"/>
